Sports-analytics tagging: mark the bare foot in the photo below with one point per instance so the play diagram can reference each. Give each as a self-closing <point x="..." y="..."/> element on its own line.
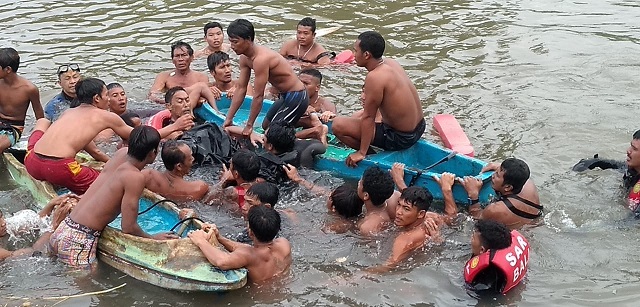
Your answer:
<point x="323" y="135"/>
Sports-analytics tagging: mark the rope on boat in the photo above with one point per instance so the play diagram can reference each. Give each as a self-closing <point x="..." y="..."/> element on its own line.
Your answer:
<point x="186" y="220"/>
<point x="66" y="297"/>
<point x="156" y="203"/>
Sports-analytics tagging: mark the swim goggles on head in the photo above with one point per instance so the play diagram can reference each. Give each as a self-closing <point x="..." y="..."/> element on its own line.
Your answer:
<point x="66" y="67"/>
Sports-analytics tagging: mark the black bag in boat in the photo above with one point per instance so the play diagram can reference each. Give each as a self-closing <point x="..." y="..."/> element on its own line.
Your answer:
<point x="210" y="144"/>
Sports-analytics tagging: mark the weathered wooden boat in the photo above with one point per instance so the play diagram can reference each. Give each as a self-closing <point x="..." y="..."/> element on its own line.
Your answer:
<point x="172" y="264"/>
<point x="423" y="160"/>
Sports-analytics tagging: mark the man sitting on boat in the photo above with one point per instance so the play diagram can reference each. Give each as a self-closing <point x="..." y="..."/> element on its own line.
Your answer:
<point x="45" y="221"/>
<point x="242" y="173"/>
<point x="16" y="93"/>
<point x="68" y="77"/>
<point x="195" y="83"/>
<point x="518" y="204"/>
<point x="387" y="89"/>
<point x="304" y="48"/>
<point x="116" y="190"/>
<point x="268" y="66"/>
<point x="214" y="37"/>
<point x="319" y="111"/>
<point x="178" y="160"/>
<point x="269" y="256"/>
<point x="500" y="258"/>
<point x="52" y="149"/>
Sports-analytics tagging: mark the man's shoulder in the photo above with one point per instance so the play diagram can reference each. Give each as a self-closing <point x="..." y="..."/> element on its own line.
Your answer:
<point x="289" y="46"/>
<point x="57" y="99"/>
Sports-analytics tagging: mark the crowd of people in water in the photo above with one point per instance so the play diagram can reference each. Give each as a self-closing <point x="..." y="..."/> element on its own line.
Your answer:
<point x="391" y="119"/>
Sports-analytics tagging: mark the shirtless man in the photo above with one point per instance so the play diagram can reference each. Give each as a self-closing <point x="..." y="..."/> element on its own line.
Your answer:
<point x="68" y="77"/>
<point x="220" y="68"/>
<point x="416" y="228"/>
<point x="119" y="102"/>
<point x="52" y="150"/>
<point x="267" y="258"/>
<point x="304" y="48"/>
<point x="214" y="37"/>
<point x="117" y="190"/>
<point x="182" y="75"/>
<point x="320" y="109"/>
<point x="386" y="88"/>
<point x="16" y="93"/>
<point x="518" y="204"/>
<point x="178" y="159"/>
<point x="377" y="191"/>
<point x="268" y="66"/>
<point x="180" y="105"/>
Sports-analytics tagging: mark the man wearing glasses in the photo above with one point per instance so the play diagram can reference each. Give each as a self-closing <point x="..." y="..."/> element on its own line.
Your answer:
<point x="16" y="93"/>
<point x="68" y="76"/>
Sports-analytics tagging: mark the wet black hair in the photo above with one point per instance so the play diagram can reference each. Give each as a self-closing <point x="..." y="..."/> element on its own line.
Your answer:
<point x="281" y="135"/>
<point x="493" y="235"/>
<point x="308" y="22"/>
<point x="241" y="28"/>
<point x="636" y="135"/>
<point x="516" y="173"/>
<point x="314" y="73"/>
<point x="266" y="192"/>
<point x="346" y="202"/>
<point x="246" y="163"/>
<point x="180" y="44"/>
<point x="9" y="57"/>
<point x="216" y="58"/>
<point x="264" y="222"/>
<point x="172" y="91"/>
<point x="417" y="197"/>
<point x="87" y="88"/>
<point x="372" y="42"/>
<point x="113" y="85"/>
<point x="378" y="184"/>
<point x="171" y="154"/>
<point x="128" y="117"/>
<point x="142" y="141"/>
<point x="211" y="25"/>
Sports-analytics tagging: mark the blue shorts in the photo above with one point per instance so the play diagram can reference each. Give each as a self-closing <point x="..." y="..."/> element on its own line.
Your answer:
<point x="10" y="132"/>
<point x="289" y="107"/>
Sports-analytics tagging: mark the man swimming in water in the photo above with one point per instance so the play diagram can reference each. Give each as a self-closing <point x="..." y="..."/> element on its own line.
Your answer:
<point x="268" y="66"/>
<point x="242" y="173"/>
<point x="304" y="48"/>
<point x="387" y="88"/>
<point x="16" y="93"/>
<point x="178" y="160"/>
<point x="68" y="77"/>
<point x="116" y="190"/>
<point x="631" y="178"/>
<point x="195" y="83"/>
<point x="214" y="37"/>
<point x="269" y="256"/>
<point x="220" y="68"/>
<point x="518" y="204"/>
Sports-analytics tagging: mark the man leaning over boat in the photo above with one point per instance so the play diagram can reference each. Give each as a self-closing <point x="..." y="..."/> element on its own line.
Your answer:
<point x="116" y="190"/>
<point x="387" y="89"/>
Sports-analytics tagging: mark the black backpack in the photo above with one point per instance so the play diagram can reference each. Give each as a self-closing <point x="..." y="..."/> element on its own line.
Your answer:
<point x="271" y="165"/>
<point x="210" y="144"/>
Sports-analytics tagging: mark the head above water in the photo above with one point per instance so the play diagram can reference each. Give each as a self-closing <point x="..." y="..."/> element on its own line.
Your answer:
<point x="91" y="90"/>
<point x="264" y="223"/>
<point x="345" y="201"/>
<point x="376" y="185"/>
<point x="143" y="143"/>
<point x="281" y="136"/>
<point x="371" y="42"/>
<point x="241" y="28"/>
<point x="511" y="176"/>
<point x="179" y="45"/>
<point x="633" y="154"/>
<point x="212" y="25"/>
<point x="246" y="163"/>
<point x="9" y="60"/>
<point x="489" y="235"/>
<point x="418" y="197"/>
<point x="117" y="98"/>
<point x="216" y="58"/>
<point x="308" y="22"/>
<point x="173" y="154"/>
<point x="266" y="193"/>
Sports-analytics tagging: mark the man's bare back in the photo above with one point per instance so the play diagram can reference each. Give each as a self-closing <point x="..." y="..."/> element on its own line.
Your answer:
<point x="64" y="139"/>
<point x="400" y="107"/>
<point x="498" y="211"/>
<point x="173" y="187"/>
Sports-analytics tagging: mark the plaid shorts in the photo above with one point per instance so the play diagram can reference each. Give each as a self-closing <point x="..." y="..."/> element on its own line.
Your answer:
<point x="74" y="244"/>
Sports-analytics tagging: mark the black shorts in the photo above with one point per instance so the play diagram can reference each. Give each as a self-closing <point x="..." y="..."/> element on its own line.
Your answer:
<point x="389" y="139"/>
<point x="289" y="107"/>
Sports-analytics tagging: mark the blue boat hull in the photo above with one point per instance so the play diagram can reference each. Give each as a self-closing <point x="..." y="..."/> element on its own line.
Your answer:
<point x="417" y="157"/>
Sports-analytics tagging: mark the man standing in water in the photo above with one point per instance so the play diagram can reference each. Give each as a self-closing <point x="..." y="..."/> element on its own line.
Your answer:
<point x="117" y="190"/>
<point x="268" y="66"/>
<point x="387" y="89"/>
<point x="68" y="77"/>
<point x="214" y="36"/>
<point x="16" y="93"/>
<point x="304" y="48"/>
